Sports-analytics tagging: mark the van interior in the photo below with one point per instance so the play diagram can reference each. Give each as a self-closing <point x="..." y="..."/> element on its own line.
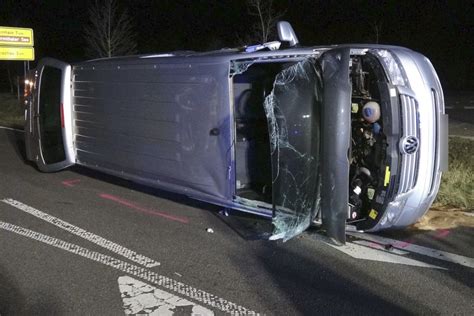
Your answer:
<point x="252" y="144"/>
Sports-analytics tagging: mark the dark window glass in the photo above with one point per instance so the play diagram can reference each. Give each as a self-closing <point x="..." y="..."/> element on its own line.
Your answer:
<point x="51" y="137"/>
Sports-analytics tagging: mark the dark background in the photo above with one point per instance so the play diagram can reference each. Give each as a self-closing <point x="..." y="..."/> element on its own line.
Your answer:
<point x="442" y="30"/>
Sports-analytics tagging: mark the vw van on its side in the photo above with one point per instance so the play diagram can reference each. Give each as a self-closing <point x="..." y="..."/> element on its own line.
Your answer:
<point x="336" y="135"/>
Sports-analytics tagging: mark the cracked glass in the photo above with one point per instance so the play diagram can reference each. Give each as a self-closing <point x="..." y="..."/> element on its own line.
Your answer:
<point x="293" y="111"/>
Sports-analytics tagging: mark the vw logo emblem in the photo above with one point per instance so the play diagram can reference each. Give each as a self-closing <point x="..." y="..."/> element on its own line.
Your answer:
<point x="409" y="145"/>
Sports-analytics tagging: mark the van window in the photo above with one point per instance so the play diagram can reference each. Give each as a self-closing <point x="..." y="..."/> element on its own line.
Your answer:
<point x="51" y="138"/>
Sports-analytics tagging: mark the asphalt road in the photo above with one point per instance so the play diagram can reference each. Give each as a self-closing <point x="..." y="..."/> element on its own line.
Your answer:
<point x="79" y="242"/>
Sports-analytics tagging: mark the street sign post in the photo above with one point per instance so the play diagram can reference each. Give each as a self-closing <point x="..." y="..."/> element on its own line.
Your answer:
<point x="17" y="53"/>
<point x="16" y="36"/>
<point x="16" y="43"/>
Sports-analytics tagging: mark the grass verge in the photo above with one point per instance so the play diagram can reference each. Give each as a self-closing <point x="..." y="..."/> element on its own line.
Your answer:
<point x="457" y="185"/>
<point x="11" y="111"/>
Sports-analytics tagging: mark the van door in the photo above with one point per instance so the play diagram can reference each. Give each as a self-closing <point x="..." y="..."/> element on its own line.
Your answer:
<point x="51" y="132"/>
<point x="293" y="111"/>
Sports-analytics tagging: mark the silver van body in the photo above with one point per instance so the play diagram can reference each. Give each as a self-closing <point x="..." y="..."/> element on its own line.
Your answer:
<point x="283" y="133"/>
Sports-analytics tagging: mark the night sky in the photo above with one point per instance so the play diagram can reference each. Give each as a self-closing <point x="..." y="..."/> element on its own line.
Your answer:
<point x="441" y="30"/>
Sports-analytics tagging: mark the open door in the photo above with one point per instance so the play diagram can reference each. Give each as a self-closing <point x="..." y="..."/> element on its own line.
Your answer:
<point x="293" y="111"/>
<point x="50" y="136"/>
<point x="336" y="138"/>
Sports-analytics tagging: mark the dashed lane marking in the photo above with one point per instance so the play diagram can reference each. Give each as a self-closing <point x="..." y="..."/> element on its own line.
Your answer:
<point x="137" y="271"/>
<point x="98" y="240"/>
<point x="140" y="298"/>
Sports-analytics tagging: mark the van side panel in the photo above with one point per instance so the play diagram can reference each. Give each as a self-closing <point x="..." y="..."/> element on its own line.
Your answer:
<point x="167" y="123"/>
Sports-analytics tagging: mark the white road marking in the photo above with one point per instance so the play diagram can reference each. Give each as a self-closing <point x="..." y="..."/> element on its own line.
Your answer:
<point x="137" y="271"/>
<point x="367" y="253"/>
<point x="377" y="246"/>
<point x="98" y="240"/>
<point x="438" y="254"/>
<point x="144" y="299"/>
<point x="12" y="129"/>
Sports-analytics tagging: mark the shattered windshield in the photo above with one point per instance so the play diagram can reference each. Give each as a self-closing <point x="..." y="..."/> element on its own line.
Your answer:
<point x="293" y="113"/>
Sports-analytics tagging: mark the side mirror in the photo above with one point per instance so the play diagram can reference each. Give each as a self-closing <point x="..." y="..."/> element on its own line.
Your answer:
<point x="287" y="34"/>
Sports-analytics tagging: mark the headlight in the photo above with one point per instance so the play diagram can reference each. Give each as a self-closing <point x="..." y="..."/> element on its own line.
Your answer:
<point x="391" y="66"/>
<point x="392" y="212"/>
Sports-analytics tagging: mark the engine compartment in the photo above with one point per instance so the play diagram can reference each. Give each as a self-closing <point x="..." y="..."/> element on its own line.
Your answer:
<point x="368" y="139"/>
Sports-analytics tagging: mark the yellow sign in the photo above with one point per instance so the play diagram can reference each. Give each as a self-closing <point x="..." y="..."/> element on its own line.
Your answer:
<point x="17" y="53"/>
<point x="15" y="36"/>
<point x="387" y="176"/>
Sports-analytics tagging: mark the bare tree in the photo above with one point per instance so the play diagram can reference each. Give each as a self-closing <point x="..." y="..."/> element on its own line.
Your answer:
<point x="264" y="28"/>
<point x="110" y="31"/>
<point x="377" y="29"/>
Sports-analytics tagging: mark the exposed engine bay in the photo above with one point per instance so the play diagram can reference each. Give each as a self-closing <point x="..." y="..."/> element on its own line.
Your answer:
<point x="368" y="141"/>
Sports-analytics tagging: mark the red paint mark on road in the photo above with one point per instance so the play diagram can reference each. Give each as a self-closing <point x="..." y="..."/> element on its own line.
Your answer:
<point x="441" y="233"/>
<point x="71" y="183"/>
<point x="375" y="245"/>
<point x="134" y="206"/>
<point x="403" y="244"/>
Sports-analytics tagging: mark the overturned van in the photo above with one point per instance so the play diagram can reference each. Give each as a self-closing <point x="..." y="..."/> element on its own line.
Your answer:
<point x="340" y="135"/>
